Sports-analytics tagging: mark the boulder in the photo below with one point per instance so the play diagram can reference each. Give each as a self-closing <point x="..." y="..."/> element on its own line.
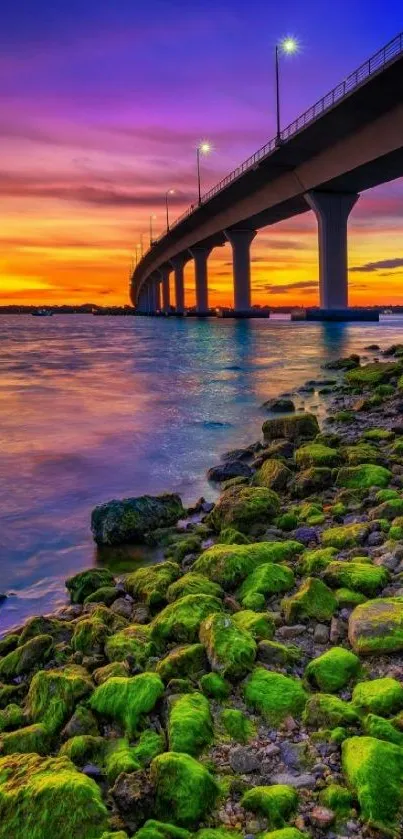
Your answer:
<point x="184" y="788"/>
<point x="374" y="771"/>
<point x="280" y="405"/>
<point x="130" y="519"/>
<point x="273" y="474"/>
<point x="231" y="650"/>
<point x="229" y="469"/>
<point x="376" y="627"/>
<point x="295" y="427"/>
<point x="243" y="507"/>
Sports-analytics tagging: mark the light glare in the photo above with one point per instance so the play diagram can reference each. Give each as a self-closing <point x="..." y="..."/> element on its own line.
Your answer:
<point x="205" y="147"/>
<point x="289" y="45"/>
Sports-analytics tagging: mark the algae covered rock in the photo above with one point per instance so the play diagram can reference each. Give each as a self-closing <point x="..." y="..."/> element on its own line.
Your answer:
<point x="311" y="480"/>
<point x="267" y="579"/>
<point x="31" y="655"/>
<point x="285" y="833"/>
<point x="130" y="519"/>
<point x="190" y="725"/>
<point x="357" y="576"/>
<point x="213" y="685"/>
<point x="53" y="695"/>
<point x="243" y="507"/>
<point x="180" y="621"/>
<point x="345" y="536"/>
<point x="259" y="624"/>
<point x="126" y="700"/>
<point x="186" y="660"/>
<point x="376" y="726"/>
<point x="237" y="725"/>
<point x="277" y="803"/>
<point x="150" y="584"/>
<point x="120" y="759"/>
<point x="193" y="583"/>
<point x="273" y="474"/>
<point x="275" y="696"/>
<point x="153" y="829"/>
<point x="229" y="565"/>
<point x="333" y="670"/>
<point x="231" y="650"/>
<point x="133" y="641"/>
<point x="41" y="797"/>
<point x="295" y="427"/>
<point x="364" y="476"/>
<point x="184" y="788"/>
<point x="374" y="771"/>
<point x="371" y="375"/>
<point x="315" y="561"/>
<point x="312" y="600"/>
<point x="376" y="627"/>
<point x="316" y="454"/>
<point x="324" y="710"/>
<point x="379" y="696"/>
<point x="31" y="738"/>
<point x="85" y="583"/>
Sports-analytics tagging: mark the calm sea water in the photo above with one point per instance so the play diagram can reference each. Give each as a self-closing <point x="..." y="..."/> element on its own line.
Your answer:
<point x="97" y="408"/>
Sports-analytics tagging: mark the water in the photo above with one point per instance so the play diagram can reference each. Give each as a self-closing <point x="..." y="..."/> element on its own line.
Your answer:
<point x="96" y="408"/>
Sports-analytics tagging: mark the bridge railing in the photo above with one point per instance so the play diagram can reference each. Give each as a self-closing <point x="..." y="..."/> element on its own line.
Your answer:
<point x="381" y="58"/>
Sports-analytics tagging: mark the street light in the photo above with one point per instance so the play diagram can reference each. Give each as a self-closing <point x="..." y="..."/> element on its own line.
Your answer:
<point x="138" y="248"/>
<point x="152" y="217"/>
<point x="169" y="192"/>
<point x="203" y="148"/>
<point x="287" y="46"/>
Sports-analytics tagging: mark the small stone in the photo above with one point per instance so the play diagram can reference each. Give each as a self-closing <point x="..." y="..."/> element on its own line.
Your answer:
<point x="321" y="634"/>
<point x="230" y="469"/>
<point x="279" y="406"/>
<point x="291" y="631"/>
<point x="140" y="614"/>
<point x="123" y="607"/>
<point x="375" y="539"/>
<point x="306" y="535"/>
<point x="303" y="781"/>
<point x="243" y="760"/>
<point x="322" y="817"/>
<point x="337" y="630"/>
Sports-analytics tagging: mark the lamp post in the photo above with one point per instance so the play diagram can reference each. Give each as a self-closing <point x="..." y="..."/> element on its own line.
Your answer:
<point x="141" y="245"/>
<point x="287" y="46"/>
<point x="138" y="247"/>
<point x="152" y="217"/>
<point x="202" y="148"/>
<point x="168" y="192"/>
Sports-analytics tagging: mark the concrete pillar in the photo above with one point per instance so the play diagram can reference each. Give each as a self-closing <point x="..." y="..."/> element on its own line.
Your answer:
<point x="165" y="272"/>
<point x="178" y="264"/>
<point x="240" y="241"/>
<point x="200" y="256"/>
<point x="332" y="210"/>
<point x="142" y="300"/>
<point x="154" y="295"/>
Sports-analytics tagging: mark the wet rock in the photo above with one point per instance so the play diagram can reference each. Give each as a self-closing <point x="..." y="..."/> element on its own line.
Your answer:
<point x="302" y="781"/>
<point x="279" y="406"/>
<point x="130" y="519"/>
<point x="230" y="469"/>
<point x="291" y="631"/>
<point x="133" y="795"/>
<point x="306" y="535"/>
<point x="243" y="760"/>
<point x="321" y="634"/>
<point x="123" y="606"/>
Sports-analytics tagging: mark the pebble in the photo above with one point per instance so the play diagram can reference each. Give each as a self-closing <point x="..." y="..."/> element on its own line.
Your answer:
<point x="291" y="631"/>
<point x="243" y="760"/>
<point x="321" y="634"/>
<point x="322" y="816"/>
<point x="303" y="781"/>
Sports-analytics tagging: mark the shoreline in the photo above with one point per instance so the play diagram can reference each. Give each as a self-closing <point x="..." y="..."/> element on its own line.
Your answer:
<point x="231" y="687"/>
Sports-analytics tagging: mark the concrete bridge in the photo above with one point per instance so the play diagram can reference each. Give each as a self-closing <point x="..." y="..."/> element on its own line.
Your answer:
<point x="349" y="141"/>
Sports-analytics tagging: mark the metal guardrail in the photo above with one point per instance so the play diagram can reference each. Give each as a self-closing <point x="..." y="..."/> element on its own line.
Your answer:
<point x="377" y="62"/>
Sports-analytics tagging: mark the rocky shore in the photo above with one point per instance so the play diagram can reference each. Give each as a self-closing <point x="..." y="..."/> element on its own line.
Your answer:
<point x="251" y="684"/>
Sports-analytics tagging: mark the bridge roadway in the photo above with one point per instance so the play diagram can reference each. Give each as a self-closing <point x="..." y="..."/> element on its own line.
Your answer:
<point x="349" y="141"/>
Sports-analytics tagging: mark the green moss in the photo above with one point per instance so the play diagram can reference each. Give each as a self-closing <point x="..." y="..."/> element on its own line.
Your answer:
<point x="230" y="649"/>
<point x="244" y="507"/>
<point x="184" y="545"/>
<point x="84" y="748"/>
<point x="180" y="620"/>
<point x="8" y="644"/>
<point x="184" y="788"/>
<point x="260" y="626"/>
<point x="114" y="834"/>
<point x="273" y="474"/>
<point x="11" y="717"/>
<point x="193" y="583"/>
<point x="85" y="583"/>
<point x="316" y="560"/>
<point x="360" y="453"/>
<point x="345" y="536"/>
<point x="10" y="693"/>
<point x="115" y="668"/>
<point x="347" y="598"/>
<point x="217" y="833"/>
<point x="287" y="522"/>
<point x="154" y="829"/>
<point x="376" y="627"/>
<point x="316" y="454"/>
<point x="44" y="797"/>
<point x="374" y="770"/>
<point x="333" y="670"/>
<point x="120" y="759"/>
<point x="237" y="725"/>
<point x="106" y="595"/>
<point x="376" y="726"/>
<point x="32" y="738"/>
<point x="149" y="745"/>
<point x="212" y="684"/>
<point x="344" y="416"/>
<point x="397" y="448"/>
<point x="126" y="700"/>
<point x="378" y="434"/>
<point x="388" y="509"/>
<point x="275" y="696"/>
<point x="229" y="565"/>
<point x="150" y="584"/>
<point x="326" y="711"/>
<point x="294" y="427"/>
<point x="266" y="579"/>
<point x="53" y="695"/>
<point x="277" y="803"/>
<point x="187" y="660"/>
<point x="358" y="576"/>
<point x="372" y="375"/>
<point x="31" y="655"/>
<point x="311" y="481"/>
<point x="337" y="798"/>
<point x="312" y="600"/>
<point x="285" y="833"/>
<point x="133" y="641"/>
<point x="230" y="536"/>
<point x="379" y="696"/>
<point x="364" y="476"/>
<point x="272" y="652"/>
<point x="190" y="725"/>
<point x="89" y="636"/>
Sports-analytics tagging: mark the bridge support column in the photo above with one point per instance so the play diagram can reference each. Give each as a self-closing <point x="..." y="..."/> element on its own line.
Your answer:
<point x="178" y="264"/>
<point x="240" y="241"/>
<point x="200" y="256"/>
<point x="332" y="210"/>
<point x="165" y="272"/>
<point x="142" y="301"/>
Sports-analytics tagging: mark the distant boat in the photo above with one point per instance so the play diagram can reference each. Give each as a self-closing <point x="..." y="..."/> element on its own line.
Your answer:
<point x="42" y="313"/>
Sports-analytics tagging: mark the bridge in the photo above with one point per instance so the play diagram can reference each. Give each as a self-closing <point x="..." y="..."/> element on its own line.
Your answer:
<point x="347" y="142"/>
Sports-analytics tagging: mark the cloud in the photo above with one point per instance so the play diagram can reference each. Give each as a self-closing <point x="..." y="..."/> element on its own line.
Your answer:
<point x="274" y="288"/>
<point x="370" y="267"/>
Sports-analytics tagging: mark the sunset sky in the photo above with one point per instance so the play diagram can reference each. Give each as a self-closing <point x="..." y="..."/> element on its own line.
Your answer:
<point x="102" y="104"/>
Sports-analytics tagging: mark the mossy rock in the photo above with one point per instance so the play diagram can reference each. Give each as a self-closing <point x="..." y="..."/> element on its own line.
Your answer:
<point x="126" y="700"/>
<point x="214" y="686"/>
<point x="11" y="717"/>
<point x="237" y="725"/>
<point x="376" y="627"/>
<point x="231" y="650"/>
<point x="30" y="656"/>
<point x="84" y="748"/>
<point x="153" y="829"/>
<point x="285" y="833"/>
<point x="193" y="583"/>
<point x="273" y="474"/>
<point x="61" y="631"/>
<point x="287" y="521"/>
<point x="128" y="520"/>
<point x="115" y="668"/>
<point x="277" y="803"/>
<point x="348" y="599"/>
<point x="44" y="797"/>
<point x="275" y="696"/>
<point x="190" y="724"/>
<point x="90" y="635"/>
<point x="187" y="660"/>
<point x="337" y="798"/>
<point x="183" y="546"/>
<point x="324" y="710"/>
<point x="120" y="759"/>
<point x="53" y="695"/>
<point x="316" y="454"/>
<point x="8" y="644"/>
<point x="378" y="434"/>
<point x="229" y="565"/>
<point x="379" y="696"/>
<point x="361" y="453"/>
<point x="364" y="476"/>
<point x="389" y="509"/>
<point x="10" y="693"/>
<point x="259" y="625"/>
<point x="150" y="584"/>
<point x="81" y="722"/>
<point x="134" y="641"/>
<point x="31" y="738"/>
<point x="371" y="375"/>
<point x="374" y="771"/>
<point x="244" y="507"/>
<point x="376" y="726"/>
<point x="345" y="536"/>
<point x="312" y="562"/>
<point x="333" y="670"/>
<point x="230" y="536"/>
<point x="87" y="582"/>
<point x="273" y="652"/>
<point x="106" y="595"/>
<point x="312" y="600"/>
<point x="296" y="427"/>
<point x="184" y="788"/>
<point x="310" y="481"/>
<point x="267" y="579"/>
<point x="180" y="621"/>
<point x="358" y="576"/>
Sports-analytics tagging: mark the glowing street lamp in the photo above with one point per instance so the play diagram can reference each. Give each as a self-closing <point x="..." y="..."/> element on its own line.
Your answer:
<point x="203" y="148"/>
<point x="152" y="218"/>
<point x="169" y="192"/>
<point x="287" y="46"/>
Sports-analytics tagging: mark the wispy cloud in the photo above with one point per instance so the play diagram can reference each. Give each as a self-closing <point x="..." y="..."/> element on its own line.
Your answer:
<point x="370" y="267"/>
<point x="302" y="285"/>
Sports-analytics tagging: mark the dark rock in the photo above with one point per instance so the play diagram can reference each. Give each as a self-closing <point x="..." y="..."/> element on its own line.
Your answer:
<point x="302" y="781"/>
<point x="230" y="469"/>
<point x="134" y="798"/>
<point x="279" y="406"/>
<point x="306" y="535"/>
<point x="3" y="597"/>
<point x="243" y="760"/>
<point x="87" y="582"/>
<point x="237" y="454"/>
<point x="128" y="520"/>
